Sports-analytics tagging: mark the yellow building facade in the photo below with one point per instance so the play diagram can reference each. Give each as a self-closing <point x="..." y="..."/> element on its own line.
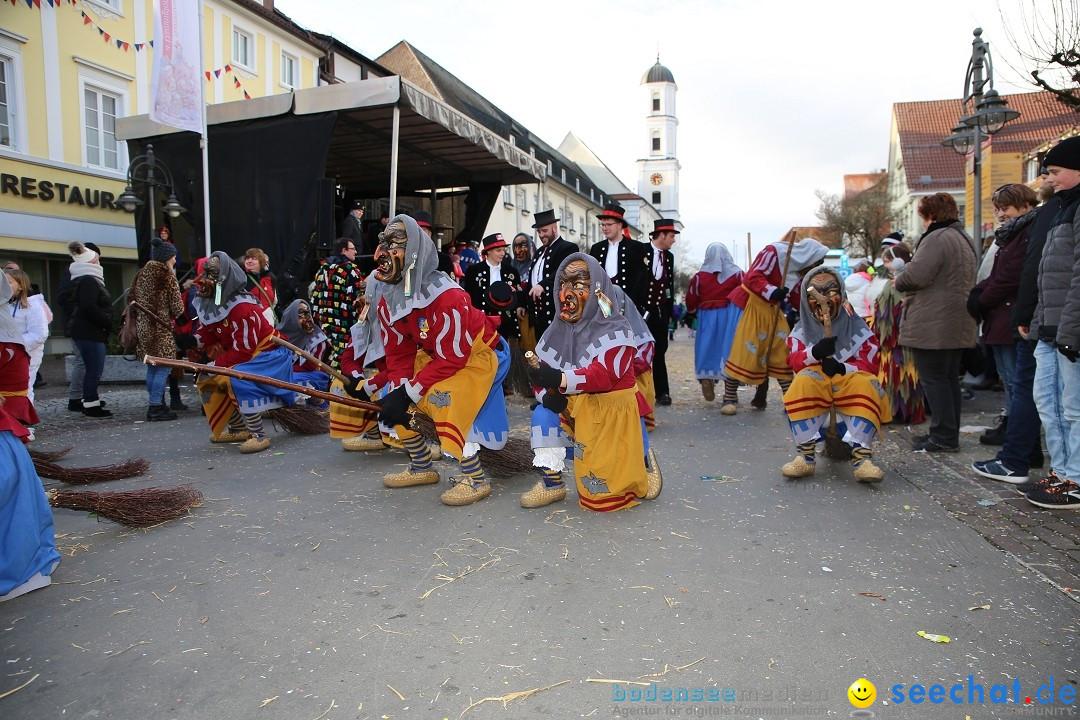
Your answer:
<point x="68" y="70"/>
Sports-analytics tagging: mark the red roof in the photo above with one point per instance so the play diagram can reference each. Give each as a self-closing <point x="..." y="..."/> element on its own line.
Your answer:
<point x="931" y="166"/>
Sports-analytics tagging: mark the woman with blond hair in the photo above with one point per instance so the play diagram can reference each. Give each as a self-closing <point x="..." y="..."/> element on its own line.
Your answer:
<point x="33" y="320"/>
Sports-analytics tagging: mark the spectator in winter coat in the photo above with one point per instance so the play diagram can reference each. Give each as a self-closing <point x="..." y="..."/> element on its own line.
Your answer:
<point x="90" y="321"/>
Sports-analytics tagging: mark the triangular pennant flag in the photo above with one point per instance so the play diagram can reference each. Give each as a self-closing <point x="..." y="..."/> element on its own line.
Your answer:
<point x="107" y="36"/>
<point x="228" y="68"/>
<point x="138" y="46"/>
<point x="246" y="96"/>
<point x="151" y="43"/>
<point x="217" y="73"/>
<point x="119" y="43"/>
<point x="208" y="76"/>
<point x="236" y="81"/>
<point x="126" y="45"/>
<point x="85" y="18"/>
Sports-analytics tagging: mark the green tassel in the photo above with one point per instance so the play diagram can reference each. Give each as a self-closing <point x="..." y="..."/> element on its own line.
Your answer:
<point x="217" y="294"/>
<point x="602" y="299"/>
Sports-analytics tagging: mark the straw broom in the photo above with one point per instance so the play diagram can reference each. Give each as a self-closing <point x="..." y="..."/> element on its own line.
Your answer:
<point x="87" y="475"/>
<point x="835" y="448"/>
<point x="131" y="508"/>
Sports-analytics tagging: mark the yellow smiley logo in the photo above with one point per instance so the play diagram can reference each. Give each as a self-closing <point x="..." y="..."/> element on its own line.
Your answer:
<point x="862" y="693"/>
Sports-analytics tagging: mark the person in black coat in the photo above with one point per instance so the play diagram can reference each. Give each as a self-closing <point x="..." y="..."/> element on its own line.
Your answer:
<point x="89" y="312"/>
<point x="660" y="302"/>
<point x="541" y="293"/>
<point x="352" y="228"/>
<point x="625" y="260"/>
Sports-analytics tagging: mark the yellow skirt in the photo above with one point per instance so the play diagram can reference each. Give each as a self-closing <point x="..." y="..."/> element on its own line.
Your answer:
<point x="345" y="421"/>
<point x="746" y="362"/>
<point x="856" y="394"/>
<point x="647" y="389"/>
<point x="609" y="456"/>
<point x="455" y="402"/>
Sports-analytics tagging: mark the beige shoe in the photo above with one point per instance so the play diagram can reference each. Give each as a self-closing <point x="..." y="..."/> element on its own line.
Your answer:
<point x="361" y="443"/>
<point x="868" y="472"/>
<point x="708" y="390"/>
<point x="465" y="492"/>
<point x="255" y="444"/>
<point x="799" y="468"/>
<point x="655" y="476"/>
<point x="541" y="495"/>
<point x="408" y="478"/>
<point x="729" y="409"/>
<point x="230" y="437"/>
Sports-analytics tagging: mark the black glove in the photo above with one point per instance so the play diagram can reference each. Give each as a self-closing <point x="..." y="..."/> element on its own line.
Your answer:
<point x="355" y="388"/>
<point x="545" y="376"/>
<point x="395" y="408"/>
<point x="824" y="348"/>
<point x="186" y="342"/>
<point x="792" y="317"/>
<point x="1070" y="352"/>
<point x="556" y="402"/>
<point x="779" y="294"/>
<point x="973" y="307"/>
<point x="831" y="367"/>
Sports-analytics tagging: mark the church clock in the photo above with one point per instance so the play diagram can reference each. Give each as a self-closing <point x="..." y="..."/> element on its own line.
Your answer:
<point x="656" y="179"/>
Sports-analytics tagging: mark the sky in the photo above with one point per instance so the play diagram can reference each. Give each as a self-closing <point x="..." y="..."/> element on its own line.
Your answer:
<point x="776" y="98"/>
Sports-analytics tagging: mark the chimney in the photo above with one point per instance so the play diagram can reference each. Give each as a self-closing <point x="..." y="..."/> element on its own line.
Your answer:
<point x="269" y="5"/>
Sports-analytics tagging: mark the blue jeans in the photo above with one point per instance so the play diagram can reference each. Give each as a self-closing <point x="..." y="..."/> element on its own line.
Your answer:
<point x="156" y="377"/>
<point x="1057" y="395"/>
<point x="93" y="357"/>
<point x="1005" y="360"/>
<point x="1022" y="434"/>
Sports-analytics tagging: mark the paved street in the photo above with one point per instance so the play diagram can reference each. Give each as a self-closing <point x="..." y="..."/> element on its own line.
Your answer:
<point x="304" y="589"/>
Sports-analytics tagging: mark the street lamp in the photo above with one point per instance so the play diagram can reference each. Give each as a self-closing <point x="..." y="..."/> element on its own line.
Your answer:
<point x="988" y="113"/>
<point x="143" y="169"/>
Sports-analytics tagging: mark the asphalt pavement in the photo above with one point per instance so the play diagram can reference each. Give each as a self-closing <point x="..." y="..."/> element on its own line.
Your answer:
<point x="302" y="588"/>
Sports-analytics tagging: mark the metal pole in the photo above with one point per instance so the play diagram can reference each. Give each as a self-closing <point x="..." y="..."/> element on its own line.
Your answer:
<point x="748" y="261"/>
<point x="203" y="146"/>
<point x="150" y="182"/>
<point x="394" y="161"/>
<point x="978" y="54"/>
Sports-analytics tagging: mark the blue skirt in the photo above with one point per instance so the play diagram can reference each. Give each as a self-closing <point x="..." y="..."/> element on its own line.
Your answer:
<point x="27" y="543"/>
<point x="254" y="398"/>
<point x="314" y="379"/>
<point x="492" y="425"/>
<point x="712" y="344"/>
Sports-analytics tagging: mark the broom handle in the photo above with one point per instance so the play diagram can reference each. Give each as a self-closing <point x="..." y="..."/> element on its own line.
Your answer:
<point x="776" y="317"/>
<point x="826" y="320"/>
<point x="262" y="380"/>
<point x="311" y="358"/>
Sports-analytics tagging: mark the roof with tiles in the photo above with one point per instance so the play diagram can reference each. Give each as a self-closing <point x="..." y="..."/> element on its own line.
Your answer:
<point x="922" y="125"/>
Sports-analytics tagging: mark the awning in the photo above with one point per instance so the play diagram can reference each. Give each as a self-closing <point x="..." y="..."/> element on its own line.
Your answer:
<point x="437" y="147"/>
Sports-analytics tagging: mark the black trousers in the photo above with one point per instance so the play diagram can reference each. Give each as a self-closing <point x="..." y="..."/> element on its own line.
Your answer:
<point x="657" y="320"/>
<point x="939" y="376"/>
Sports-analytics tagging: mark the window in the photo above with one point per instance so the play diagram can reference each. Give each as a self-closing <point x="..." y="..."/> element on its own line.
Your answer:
<point x="513" y="141"/>
<point x="562" y="176"/>
<point x="577" y="185"/>
<point x="100" y="109"/>
<point x="243" y="48"/>
<point x="583" y="223"/>
<point x="656" y="142"/>
<point x="656" y="197"/>
<point x="507" y="198"/>
<point x="8" y="134"/>
<point x="656" y="103"/>
<point x="551" y="169"/>
<point x="568" y="218"/>
<point x="288" y="70"/>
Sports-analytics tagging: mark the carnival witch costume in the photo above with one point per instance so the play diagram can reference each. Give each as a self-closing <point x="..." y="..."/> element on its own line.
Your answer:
<point x="589" y="398"/>
<point x="298" y="327"/>
<point x="235" y="334"/>
<point x="423" y="311"/>
<point x="834" y="372"/>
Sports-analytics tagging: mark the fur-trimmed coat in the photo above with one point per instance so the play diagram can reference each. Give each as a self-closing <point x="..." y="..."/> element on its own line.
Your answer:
<point x="156" y="289"/>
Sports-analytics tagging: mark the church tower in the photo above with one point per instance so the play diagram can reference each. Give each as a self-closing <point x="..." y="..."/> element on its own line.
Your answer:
<point x="658" y="170"/>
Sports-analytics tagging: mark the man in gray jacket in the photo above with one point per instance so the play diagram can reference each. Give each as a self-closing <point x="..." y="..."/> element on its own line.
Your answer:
<point x="1057" y="327"/>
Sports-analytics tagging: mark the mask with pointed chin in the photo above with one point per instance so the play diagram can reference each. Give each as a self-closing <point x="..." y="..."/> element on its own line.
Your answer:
<point x="303" y="316"/>
<point x="206" y="282"/>
<point x="826" y="284"/>
<point x="574" y="281"/>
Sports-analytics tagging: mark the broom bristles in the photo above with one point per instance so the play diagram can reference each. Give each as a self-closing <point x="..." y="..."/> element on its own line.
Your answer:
<point x="835" y="448"/>
<point x="87" y="475"/>
<point x="516" y="457"/>
<point x="131" y="508"/>
<point x="301" y="420"/>
<point x="50" y="456"/>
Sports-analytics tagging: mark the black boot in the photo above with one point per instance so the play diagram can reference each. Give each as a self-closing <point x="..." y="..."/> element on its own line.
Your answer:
<point x="760" y="401"/>
<point x="996" y="435"/>
<point x="175" y="402"/>
<point x="75" y="405"/>
<point x="159" y="412"/>
<point x="94" y="408"/>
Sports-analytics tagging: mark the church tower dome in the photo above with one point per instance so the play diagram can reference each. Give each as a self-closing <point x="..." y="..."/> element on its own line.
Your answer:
<point x="658" y="166"/>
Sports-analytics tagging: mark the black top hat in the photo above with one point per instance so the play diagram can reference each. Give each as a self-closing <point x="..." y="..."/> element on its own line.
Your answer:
<point x="501" y="296"/>
<point x="491" y="242"/>
<point x="663" y="225"/>
<point x="615" y="212"/>
<point x="422" y="218"/>
<point x="544" y="217"/>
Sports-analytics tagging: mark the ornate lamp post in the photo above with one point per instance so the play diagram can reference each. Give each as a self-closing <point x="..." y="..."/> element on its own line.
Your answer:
<point x="988" y="113"/>
<point x="147" y="170"/>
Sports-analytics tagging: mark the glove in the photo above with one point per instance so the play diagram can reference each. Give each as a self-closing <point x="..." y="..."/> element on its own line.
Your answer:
<point x="545" y="376"/>
<point x="1070" y="352"/>
<point x="778" y="294"/>
<point x="355" y="388"/>
<point x="792" y="317"/>
<point x="395" y="408"/>
<point x="556" y="402"/>
<point x="824" y="348"/>
<point x="186" y="342"/>
<point x="831" y="366"/>
<point x="973" y="307"/>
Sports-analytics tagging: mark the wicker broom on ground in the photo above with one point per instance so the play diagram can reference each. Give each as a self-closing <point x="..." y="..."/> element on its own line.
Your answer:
<point x="835" y="447"/>
<point x="88" y="475"/>
<point x="131" y="508"/>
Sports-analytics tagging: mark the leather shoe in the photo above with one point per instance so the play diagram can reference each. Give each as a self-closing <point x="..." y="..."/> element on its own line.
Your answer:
<point x="663" y="399"/>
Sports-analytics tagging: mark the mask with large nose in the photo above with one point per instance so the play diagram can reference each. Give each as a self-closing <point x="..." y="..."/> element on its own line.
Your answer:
<point x="390" y="254"/>
<point x="574" y="281"/>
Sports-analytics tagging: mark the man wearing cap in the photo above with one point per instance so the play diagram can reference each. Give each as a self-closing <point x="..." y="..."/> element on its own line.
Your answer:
<point x="446" y="263"/>
<point x="352" y="227"/>
<point x="625" y="260"/>
<point x="553" y="250"/>
<point x="661" y="300"/>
